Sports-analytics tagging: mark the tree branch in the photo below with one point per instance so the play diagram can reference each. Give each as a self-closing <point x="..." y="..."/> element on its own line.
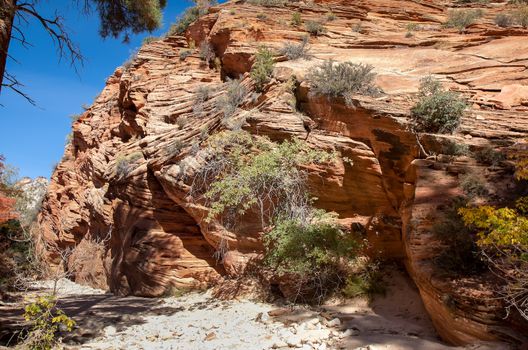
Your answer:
<point x="15" y="85"/>
<point x="56" y="30"/>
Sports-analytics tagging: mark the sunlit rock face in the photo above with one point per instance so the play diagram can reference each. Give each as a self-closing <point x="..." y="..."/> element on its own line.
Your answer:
<point x="121" y="198"/>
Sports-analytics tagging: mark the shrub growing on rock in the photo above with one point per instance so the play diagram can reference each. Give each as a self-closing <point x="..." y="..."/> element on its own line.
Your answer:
<point x="207" y="53"/>
<point x="232" y="98"/>
<point x="520" y="16"/>
<point x="124" y="164"/>
<point x="438" y="110"/>
<point x="262" y="67"/>
<point x="342" y="80"/>
<point x="310" y="253"/>
<point x="45" y="321"/>
<point x="314" y="28"/>
<point x="295" y="51"/>
<point x="489" y="156"/>
<point x="504" y="20"/>
<point x="473" y="185"/>
<point x="461" y="254"/>
<point x="267" y="3"/>
<point x="296" y="19"/>
<point x="461" y="19"/>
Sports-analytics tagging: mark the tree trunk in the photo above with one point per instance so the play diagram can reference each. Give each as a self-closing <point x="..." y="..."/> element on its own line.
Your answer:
<point x="7" y="14"/>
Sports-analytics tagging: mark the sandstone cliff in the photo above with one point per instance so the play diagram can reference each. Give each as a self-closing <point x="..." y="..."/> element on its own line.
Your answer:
<point x="152" y="229"/>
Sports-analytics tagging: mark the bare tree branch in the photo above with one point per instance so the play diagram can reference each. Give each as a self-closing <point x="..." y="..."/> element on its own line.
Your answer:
<point x="15" y="85"/>
<point x="56" y="30"/>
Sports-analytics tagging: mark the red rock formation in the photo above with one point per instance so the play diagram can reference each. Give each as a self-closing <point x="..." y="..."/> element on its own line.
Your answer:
<point x="125" y="177"/>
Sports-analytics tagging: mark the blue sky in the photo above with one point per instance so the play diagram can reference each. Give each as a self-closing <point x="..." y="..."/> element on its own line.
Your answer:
<point x="33" y="138"/>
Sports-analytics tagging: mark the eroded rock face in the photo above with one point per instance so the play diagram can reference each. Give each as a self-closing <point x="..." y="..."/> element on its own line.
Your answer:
<point x="122" y="190"/>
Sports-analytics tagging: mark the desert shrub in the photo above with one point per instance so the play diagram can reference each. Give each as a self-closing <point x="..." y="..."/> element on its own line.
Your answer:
<point x="45" y="321"/>
<point x="461" y="19"/>
<point x="202" y="94"/>
<point x="330" y="16"/>
<point x="295" y="51"/>
<point x="124" y="164"/>
<point x="262" y="16"/>
<point x="504" y="20"/>
<point x="262" y="67"/>
<point x="358" y="27"/>
<point x="184" y="54"/>
<point x="267" y="3"/>
<point x="207" y="53"/>
<point x="452" y="148"/>
<point x="256" y="172"/>
<point x="473" y="185"/>
<point x="296" y="19"/>
<point x="438" y="110"/>
<point x="368" y="281"/>
<point x="189" y="16"/>
<point x="310" y="252"/>
<point x="181" y="121"/>
<point x="232" y="98"/>
<point x="520" y="16"/>
<point x="489" y="156"/>
<point x="343" y="79"/>
<point x="314" y="28"/>
<point x="461" y="254"/>
<point x="149" y="39"/>
<point x="411" y="27"/>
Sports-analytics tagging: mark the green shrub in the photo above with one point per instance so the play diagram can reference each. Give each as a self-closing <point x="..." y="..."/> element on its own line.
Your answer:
<point x="207" y="53"/>
<point x="189" y="16"/>
<point x="184" y="54"/>
<point x="267" y="3"/>
<point x="489" y="156"/>
<point x="520" y="16"/>
<point x="258" y="171"/>
<point x="262" y="16"/>
<point x="366" y="282"/>
<point x="330" y="16"/>
<point x="460" y="255"/>
<point x="473" y="185"/>
<point x="314" y="28"/>
<point x="262" y="67"/>
<point x="232" y="98"/>
<point x="124" y="164"/>
<point x="343" y="79"/>
<point x="461" y="19"/>
<point x="45" y="321"/>
<point x="296" y="19"/>
<point x="452" y="148"/>
<point x="310" y="253"/>
<point x="295" y="51"/>
<point x="438" y="110"/>
<point x="504" y="20"/>
<point x="149" y="39"/>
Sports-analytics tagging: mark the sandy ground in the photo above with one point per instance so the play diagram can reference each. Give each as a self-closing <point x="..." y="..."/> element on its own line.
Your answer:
<point x="200" y="321"/>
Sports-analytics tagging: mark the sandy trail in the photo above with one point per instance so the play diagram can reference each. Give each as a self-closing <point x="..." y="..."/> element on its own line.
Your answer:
<point x="199" y="321"/>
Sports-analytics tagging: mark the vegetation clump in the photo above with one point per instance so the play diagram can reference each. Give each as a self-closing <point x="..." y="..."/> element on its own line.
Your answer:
<point x="489" y="156"/>
<point x="310" y="251"/>
<point x="262" y="67"/>
<point x="247" y="173"/>
<point x="207" y="53"/>
<point x="314" y="28"/>
<point x="461" y="19"/>
<point x="189" y="16"/>
<point x="343" y="79"/>
<point x="124" y="164"/>
<point x="45" y="321"/>
<point x="295" y="51"/>
<point x="460" y="254"/>
<point x="296" y="19"/>
<point x="438" y="110"/>
<point x="232" y="98"/>
<point x="267" y="3"/>
<point x="504" y="20"/>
